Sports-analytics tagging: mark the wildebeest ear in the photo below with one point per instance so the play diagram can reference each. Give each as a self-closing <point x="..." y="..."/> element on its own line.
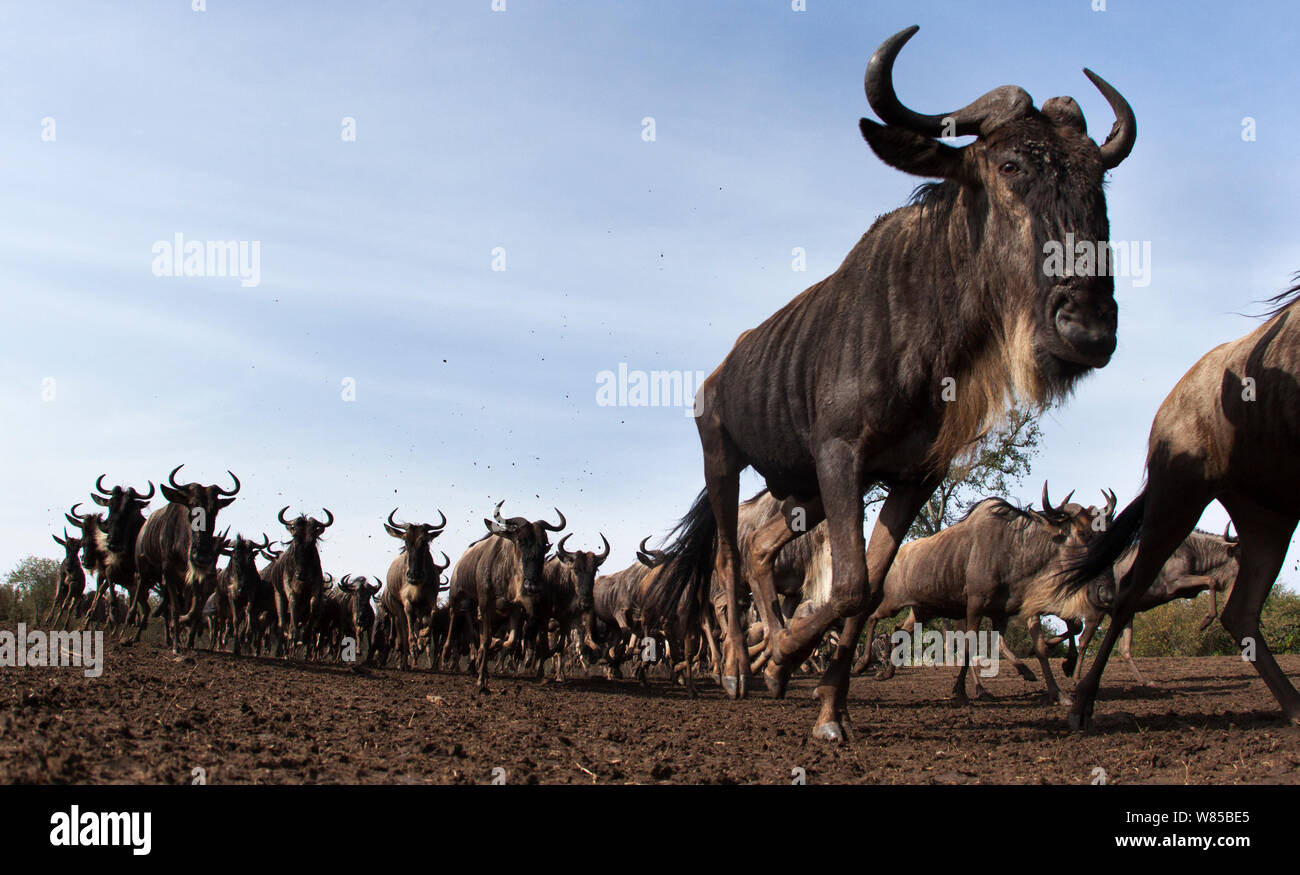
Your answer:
<point x="173" y="494"/>
<point x="911" y="152"/>
<point x="224" y="502"/>
<point x="99" y="500"/>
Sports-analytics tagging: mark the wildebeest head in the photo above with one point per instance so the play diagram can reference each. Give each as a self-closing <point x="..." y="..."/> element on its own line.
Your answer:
<point x="531" y="540"/>
<point x="243" y="565"/>
<point x="88" y="524"/>
<point x="1031" y="188"/>
<point x="1074" y="524"/>
<point x="125" y="515"/>
<point x="416" y="539"/>
<point x="361" y="590"/>
<point x="203" y="502"/>
<point x="304" y="531"/>
<point x="71" y="546"/>
<point x="584" y="564"/>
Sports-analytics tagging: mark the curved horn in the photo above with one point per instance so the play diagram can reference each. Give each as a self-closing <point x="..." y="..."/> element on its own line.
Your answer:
<point x="1047" y="502"/>
<point x="559" y="548"/>
<point x="330" y="521"/>
<point x="1124" y="132"/>
<point x="439" y="569"/>
<point x="171" y="478"/>
<point x="266" y="543"/>
<point x="401" y="527"/>
<point x="983" y="115"/>
<point x="99" y="485"/>
<point x="234" y="491"/>
<point x="1227" y="533"/>
<point x="280" y="515"/>
<point x="496" y="513"/>
<point x="647" y="556"/>
<point x="601" y="557"/>
<point x="1111" y="502"/>
<point x="442" y="525"/>
<point x="556" y="528"/>
<point x="140" y="497"/>
<point x="76" y="518"/>
<point x="346" y="581"/>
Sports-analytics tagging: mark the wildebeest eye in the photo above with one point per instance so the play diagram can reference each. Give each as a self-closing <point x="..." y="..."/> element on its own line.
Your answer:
<point x="1010" y="168"/>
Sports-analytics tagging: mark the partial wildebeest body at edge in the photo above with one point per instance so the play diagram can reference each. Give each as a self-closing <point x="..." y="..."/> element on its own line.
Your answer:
<point x="843" y="387"/>
<point x="1228" y="431"/>
<point x="500" y="575"/>
<point x="176" y="552"/>
<point x="108" y="541"/>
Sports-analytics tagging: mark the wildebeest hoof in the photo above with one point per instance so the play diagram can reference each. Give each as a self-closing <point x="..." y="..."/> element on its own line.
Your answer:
<point x="734" y="686"/>
<point x="1065" y="700"/>
<point x="984" y="695"/>
<point x="1067" y="666"/>
<point x="829" y="731"/>
<point x="1078" y="720"/>
<point x="776" y="680"/>
<point x="1029" y="675"/>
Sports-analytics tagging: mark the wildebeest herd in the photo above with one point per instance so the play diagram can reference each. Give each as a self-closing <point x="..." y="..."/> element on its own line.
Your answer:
<point x="883" y="373"/>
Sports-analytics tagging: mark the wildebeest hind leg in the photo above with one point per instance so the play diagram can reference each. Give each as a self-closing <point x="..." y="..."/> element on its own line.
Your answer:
<point x="722" y="466"/>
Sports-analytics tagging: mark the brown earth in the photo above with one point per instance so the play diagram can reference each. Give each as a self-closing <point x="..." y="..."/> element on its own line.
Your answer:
<point x="155" y="718"/>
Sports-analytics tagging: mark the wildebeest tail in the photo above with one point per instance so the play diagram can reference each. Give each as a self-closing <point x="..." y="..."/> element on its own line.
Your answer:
<point x="688" y="563"/>
<point x="1103" y="552"/>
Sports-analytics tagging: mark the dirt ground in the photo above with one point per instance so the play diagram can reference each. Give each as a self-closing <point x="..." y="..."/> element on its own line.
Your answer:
<point x="155" y="718"/>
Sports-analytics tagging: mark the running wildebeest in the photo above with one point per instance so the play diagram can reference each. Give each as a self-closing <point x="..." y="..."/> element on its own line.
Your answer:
<point x="413" y="582"/>
<point x="108" y="541"/>
<point x="891" y="367"/>
<point x="1204" y="562"/>
<point x="71" y="582"/>
<point x="236" y="592"/>
<point x="997" y="561"/>
<point x="1227" y="432"/>
<point x="176" y="552"/>
<point x="356" y="611"/>
<point x="570" y="581"/>
<point x="501" y="575"/>
<point x="297" y="580"/>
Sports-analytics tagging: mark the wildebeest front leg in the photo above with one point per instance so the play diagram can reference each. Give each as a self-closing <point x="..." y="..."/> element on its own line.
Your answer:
<point x="409" y="636"/>
<point x="722" y="466"/>
<point x="1054" y="695"/>
<point x="485" y="645"/>
<point x="858" y="579"/>
<point x="794" y="520"/>
<point x="1000" y="627"/>
<point x="1264" y="537"/>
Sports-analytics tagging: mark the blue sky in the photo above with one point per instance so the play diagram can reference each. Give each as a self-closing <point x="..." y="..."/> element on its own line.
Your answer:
<point x="522" y="130"/>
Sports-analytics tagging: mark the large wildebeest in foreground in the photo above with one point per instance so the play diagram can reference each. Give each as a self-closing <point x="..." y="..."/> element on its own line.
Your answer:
<point x="297" y="580"/>
<point x="1227" y="432"/>
<point x="997" y="561"/>
<point x="501" y="575"/>
<point x="413" y="582"/>
<point x="108" y="540"/>
<point x="888" y="369"/>
<point x="176" y="551"/>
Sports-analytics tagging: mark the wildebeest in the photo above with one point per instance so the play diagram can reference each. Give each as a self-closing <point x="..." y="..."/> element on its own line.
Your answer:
<point x="108" y="541"/>
<point x="997" y="561"/>
<point x="1204" y="562"/>
<point x="236" y="591"/>
<point x="1227" y="432"/>
<point x="351" y="613"/>
<point x="176" y="552"/>
<point x="297" y="580"/>
<point x="570" y="581"/>
<point x="501" y="575"/>
<point x="616" y="600"/>
<point x="413" y="581"/>
<point x="71" y="582"/>
<point x="891" y="367"/>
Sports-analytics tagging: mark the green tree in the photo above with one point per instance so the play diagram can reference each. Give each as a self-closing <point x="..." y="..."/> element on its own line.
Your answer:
<point x="31" y="585"/>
